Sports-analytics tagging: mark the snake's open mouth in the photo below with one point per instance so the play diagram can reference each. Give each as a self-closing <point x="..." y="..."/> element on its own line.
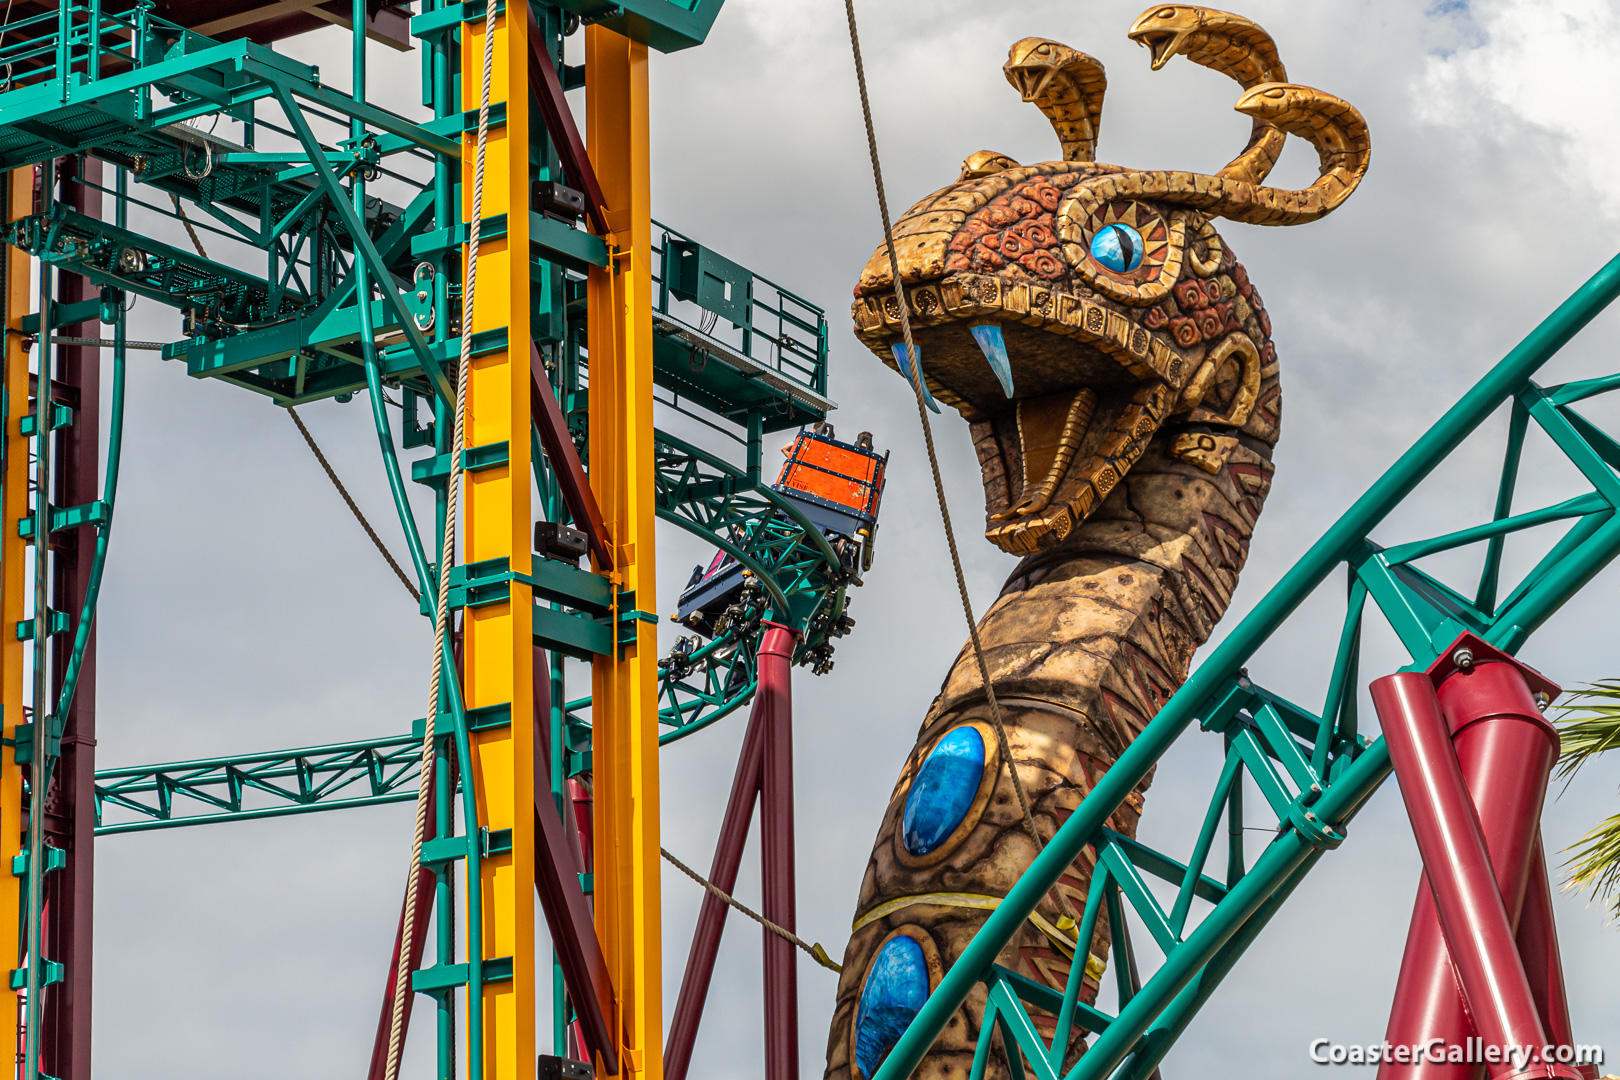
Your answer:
<point x="1068" y="309"/>
<point x="1063" y="393"/>
<point x="1161" y="45"/>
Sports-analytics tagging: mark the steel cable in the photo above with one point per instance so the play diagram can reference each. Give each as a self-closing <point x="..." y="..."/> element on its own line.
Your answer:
<point x="915" y="363"/>
<point x="350" y="503"/>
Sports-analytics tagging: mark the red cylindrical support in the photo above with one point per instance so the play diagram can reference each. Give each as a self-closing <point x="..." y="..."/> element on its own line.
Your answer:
<point x="711" y="922"/>
<point x="1461" y="923"/>
<point x="775" y="701"/>
<point x="1538" y="948"/>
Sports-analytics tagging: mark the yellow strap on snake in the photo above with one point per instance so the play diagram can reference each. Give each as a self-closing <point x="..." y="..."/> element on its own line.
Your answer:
<point x="1095" y="965"/>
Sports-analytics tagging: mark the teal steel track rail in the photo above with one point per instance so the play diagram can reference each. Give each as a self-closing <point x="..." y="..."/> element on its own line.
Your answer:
<point x="1314" y="770"/>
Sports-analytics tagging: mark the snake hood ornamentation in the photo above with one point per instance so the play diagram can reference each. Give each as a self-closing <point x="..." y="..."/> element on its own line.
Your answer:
<point x="1115" y="365"/>
<point x="1071" y="309"/>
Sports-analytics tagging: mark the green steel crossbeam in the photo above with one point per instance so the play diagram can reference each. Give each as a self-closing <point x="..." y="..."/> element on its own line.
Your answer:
<point x="120" y="258"/>
<point x="68" y="116"/>
<point x="241" y="787"/>
<point x="1314" y="771"/>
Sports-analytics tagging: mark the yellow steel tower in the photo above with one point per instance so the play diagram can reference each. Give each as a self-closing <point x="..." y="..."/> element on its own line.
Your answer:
<point x="624" y="686"/>
<point x="499" y="650"/>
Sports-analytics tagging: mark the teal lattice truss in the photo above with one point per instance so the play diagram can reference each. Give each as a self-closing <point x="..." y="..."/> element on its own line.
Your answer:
<point x="335" y="777"/>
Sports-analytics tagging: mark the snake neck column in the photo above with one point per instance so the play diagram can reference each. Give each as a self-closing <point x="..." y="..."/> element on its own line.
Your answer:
<point x="1084" y="645"/>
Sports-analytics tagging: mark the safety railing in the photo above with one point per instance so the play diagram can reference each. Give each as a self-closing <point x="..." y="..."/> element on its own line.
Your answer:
<point x="78" y="37"/>
<point x="739" y="310"/>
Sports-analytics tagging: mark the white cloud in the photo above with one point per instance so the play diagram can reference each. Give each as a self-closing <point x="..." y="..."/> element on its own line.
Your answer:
<point x="1548" y="64"/>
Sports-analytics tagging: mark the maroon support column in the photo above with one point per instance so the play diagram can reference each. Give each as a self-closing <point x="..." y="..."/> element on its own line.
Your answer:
<point x="1476" y="863"/>
<point x="1543" y="966"/>
<point x="711" y="922"/>
<point x="775" y="702"/>
<point x="426" y="880"/>
<point x="70" y="808"/>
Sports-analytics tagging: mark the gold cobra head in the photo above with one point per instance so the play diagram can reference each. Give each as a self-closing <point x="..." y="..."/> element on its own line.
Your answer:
<point x="1075" y="312"/>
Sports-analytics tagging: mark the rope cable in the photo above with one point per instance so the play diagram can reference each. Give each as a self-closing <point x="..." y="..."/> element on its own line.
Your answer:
<point x="446" y="553"/>
<point x="816" y="952"/>
<point x="348" y="501"/>
<point x="191" y="230"/>
<point x="915" y="363"/>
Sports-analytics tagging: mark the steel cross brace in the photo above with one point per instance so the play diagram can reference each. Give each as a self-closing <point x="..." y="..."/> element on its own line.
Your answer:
<point x="364" y="248"/>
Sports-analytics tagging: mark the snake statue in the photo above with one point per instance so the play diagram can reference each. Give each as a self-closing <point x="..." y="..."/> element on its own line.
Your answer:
<point x="1115" y="366"/>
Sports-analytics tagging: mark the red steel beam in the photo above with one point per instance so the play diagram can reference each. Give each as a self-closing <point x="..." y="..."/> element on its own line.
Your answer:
<point x="265" y="21"/>
<point x="426" y="880"/>
<point x="564" y="458"/>
<point x="1543" y="966"/>
<point x="562" y="898"/>
<point x="565" y="138"/>
<point x="775" y="702"/>
<point x="711" y="922"/>
<point x="70" y="810"/>
<point x="1476" y="862"/>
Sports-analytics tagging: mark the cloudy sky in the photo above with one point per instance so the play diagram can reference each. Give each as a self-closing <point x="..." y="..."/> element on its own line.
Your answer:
<point x="244" y="610"/>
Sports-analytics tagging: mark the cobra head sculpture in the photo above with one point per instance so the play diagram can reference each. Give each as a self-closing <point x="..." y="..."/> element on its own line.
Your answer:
<point x="1115" y="365"/>
<point x="1072" y="310"/>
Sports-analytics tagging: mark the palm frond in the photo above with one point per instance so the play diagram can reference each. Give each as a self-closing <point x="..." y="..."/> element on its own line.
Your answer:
<point x="1594" y="863"/>
<point x="1589" y="724"/>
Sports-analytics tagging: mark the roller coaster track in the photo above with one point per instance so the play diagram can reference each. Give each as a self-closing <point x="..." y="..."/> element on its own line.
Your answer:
<point x="294" y="335"/>
<point x="797" y="568"/>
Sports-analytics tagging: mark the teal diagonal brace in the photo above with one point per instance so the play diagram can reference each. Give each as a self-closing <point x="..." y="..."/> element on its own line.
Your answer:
<point x="1263" y="771"/>
<point x="1163" y="866"/>
<point x="1597" y="471"/>
<point x="1283" y="746"/>
<point x="265" y="64"/>
<point x="363" y="248"/>
<point x="1605" y="447"/>
<point x="1136" y="891"/>
<point x="1414" y="619"/>
<point x="1015" y="1020"/>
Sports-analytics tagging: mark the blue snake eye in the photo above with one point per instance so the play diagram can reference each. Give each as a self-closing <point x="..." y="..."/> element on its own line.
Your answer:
<point x="894" y="993"/>
<point x="944" y="790"/>
<point x="1118" y="247"/>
